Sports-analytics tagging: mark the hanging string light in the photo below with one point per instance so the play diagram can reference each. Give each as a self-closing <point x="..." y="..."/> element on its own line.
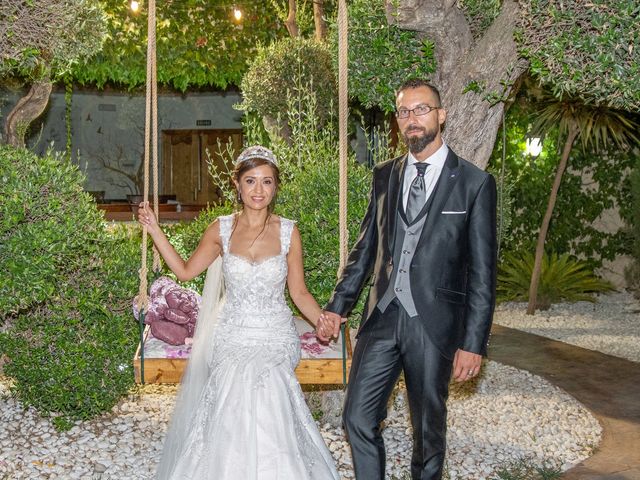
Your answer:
<point x="237" y="13"/>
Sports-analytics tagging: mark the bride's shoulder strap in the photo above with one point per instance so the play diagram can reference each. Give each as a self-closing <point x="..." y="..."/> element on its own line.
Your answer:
<point x="286" y="228"/>
<point x="226" y="225"/>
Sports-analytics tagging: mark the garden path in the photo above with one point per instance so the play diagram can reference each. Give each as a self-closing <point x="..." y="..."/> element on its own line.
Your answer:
<point x="608" y="386"/>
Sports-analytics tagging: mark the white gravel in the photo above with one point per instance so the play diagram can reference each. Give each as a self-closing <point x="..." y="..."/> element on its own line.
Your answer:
<point x="612" y="325"/>
<point x="507" y="415"/>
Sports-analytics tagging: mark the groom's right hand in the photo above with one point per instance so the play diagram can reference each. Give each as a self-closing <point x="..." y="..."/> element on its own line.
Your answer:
<point x="334" y="320"/>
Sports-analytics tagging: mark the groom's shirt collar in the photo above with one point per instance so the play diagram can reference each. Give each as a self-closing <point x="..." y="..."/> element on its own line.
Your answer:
<point x="438" y="158"/>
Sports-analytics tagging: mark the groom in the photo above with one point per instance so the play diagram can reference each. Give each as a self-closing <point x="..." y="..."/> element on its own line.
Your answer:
<point x="427" y="245"/>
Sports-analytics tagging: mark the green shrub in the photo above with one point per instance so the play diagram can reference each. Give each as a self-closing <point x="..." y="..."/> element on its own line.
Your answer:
<point x="41" y="206"/>
<point x="66" y="333"/>
<point x="309" y="193"/>
<point x="562" y="279"/>
<point x="277" y="71"/>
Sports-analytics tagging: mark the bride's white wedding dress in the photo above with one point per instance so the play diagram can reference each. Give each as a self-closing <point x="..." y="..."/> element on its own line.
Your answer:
<point x="250" y="421"/>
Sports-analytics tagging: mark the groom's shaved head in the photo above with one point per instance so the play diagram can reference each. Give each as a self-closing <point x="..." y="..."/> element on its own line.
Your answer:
<point x="417" y="83"/>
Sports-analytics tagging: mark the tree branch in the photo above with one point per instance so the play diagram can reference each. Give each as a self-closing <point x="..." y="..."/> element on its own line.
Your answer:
<point x="495" y="65"/>
<point x="26" y="110"/>
<point x="318" y="18"/>
<point x="290" y="22"/>
<point x="492" y="65"/>
<point x="444" y="24"/>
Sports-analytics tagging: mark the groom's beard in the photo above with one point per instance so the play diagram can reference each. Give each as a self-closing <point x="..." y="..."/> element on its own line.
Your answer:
<point x="418" y="143"/>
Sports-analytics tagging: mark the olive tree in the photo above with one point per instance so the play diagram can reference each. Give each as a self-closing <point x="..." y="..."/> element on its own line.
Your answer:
<point x="40" y="40"/>
<point x="483" y="47"/>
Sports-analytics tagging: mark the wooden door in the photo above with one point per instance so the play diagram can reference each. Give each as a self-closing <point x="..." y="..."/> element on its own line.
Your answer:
<point x="185" y="157"/>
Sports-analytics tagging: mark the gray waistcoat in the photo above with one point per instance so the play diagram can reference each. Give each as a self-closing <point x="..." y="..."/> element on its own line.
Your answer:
<point x="406" y="241"/>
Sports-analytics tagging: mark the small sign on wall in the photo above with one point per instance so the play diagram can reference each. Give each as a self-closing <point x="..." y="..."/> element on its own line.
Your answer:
<point x="106" y="107"/>
<point x="203" y="123"/>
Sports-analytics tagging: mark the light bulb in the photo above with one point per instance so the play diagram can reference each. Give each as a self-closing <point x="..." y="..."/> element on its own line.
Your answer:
<point x="135" y="6"/>
<point x="237" y="14"/>
<point x="533" y="146"/>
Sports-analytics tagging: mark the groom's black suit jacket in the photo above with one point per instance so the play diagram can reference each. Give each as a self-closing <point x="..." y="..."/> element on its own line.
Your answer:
<point x="453" y="272"/>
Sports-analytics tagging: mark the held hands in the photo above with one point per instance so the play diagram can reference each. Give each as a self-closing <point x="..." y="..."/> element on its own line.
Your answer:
<point x="147" y="218"/>
<point x="328" y="326"/>
<point x="466" y="365"/>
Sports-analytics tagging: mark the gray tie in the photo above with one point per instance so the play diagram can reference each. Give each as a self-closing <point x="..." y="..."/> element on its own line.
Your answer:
<point x="417" y="193"/>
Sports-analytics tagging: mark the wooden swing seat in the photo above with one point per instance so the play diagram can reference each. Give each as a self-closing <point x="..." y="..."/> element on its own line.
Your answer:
<point x="165" y="363"/>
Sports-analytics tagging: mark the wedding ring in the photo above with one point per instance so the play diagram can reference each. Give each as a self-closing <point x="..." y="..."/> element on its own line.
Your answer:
<point x="470" y="373"/>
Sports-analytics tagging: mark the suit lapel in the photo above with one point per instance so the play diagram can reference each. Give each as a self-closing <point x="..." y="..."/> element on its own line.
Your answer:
<point x="393" y="198"/>
<point x="448" y="178"/>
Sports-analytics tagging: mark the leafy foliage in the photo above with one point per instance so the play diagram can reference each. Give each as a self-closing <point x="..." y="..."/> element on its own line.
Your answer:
<point x="585" y="50"/>
<point x="598" y="126"/>
<point x="311" y="198"/>
<point x="198" y="43"/>
<point x="381" y="56"/>
<point x="562" y="279"/>
<point x="37" y="214"/>
<point x="65" y="325"/>
<point x="45" y="38"/>
<point x="480" y="14"/>
<point x="632" y="273"/>
<point x="283" y="67"/>
<point x="593" y="185"/>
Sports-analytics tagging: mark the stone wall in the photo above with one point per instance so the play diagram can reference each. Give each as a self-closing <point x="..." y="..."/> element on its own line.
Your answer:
<point x="108" y="128"/>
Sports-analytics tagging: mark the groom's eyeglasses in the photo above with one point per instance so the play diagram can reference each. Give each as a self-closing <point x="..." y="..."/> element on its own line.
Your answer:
<point x="418" y="111"/>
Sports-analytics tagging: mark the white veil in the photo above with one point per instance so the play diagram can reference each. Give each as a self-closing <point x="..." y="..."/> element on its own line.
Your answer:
<point x="196" y="373"/>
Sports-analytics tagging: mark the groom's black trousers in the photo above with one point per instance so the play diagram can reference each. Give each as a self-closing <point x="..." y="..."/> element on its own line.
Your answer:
<point x="389" y="343"/>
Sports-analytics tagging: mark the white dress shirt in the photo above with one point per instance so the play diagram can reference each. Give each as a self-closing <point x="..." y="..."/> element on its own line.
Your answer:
<point x="431" y="176"/>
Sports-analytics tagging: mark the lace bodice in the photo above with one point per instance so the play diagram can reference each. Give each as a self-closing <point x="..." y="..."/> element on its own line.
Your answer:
<point x="255" y="290"/>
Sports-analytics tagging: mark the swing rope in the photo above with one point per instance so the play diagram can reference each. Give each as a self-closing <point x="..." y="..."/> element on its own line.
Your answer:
<point x="150" y="150"/>
<point x="343" y="114"/>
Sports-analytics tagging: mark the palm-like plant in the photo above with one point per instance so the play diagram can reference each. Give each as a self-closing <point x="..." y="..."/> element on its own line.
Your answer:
<point x="562" y="279"/>
<point x="596" y="127"/>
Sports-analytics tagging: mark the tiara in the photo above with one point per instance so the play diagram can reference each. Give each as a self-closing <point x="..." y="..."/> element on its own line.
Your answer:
<point x="257" y="151"/>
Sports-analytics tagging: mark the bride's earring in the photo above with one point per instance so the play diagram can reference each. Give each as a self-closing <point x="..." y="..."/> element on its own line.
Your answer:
<point x="239" y="198"/>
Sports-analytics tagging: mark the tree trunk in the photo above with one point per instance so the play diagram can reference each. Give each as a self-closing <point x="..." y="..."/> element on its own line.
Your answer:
<point x="491" y="64"/>
<point x="26" y="111"/>
<point x="546" y="220"/>
<point x="290" y="22"/>
<point x="318" y="18"/>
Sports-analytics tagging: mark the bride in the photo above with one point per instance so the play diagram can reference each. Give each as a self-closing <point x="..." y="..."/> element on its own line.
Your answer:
<point x="240" y="413"/>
